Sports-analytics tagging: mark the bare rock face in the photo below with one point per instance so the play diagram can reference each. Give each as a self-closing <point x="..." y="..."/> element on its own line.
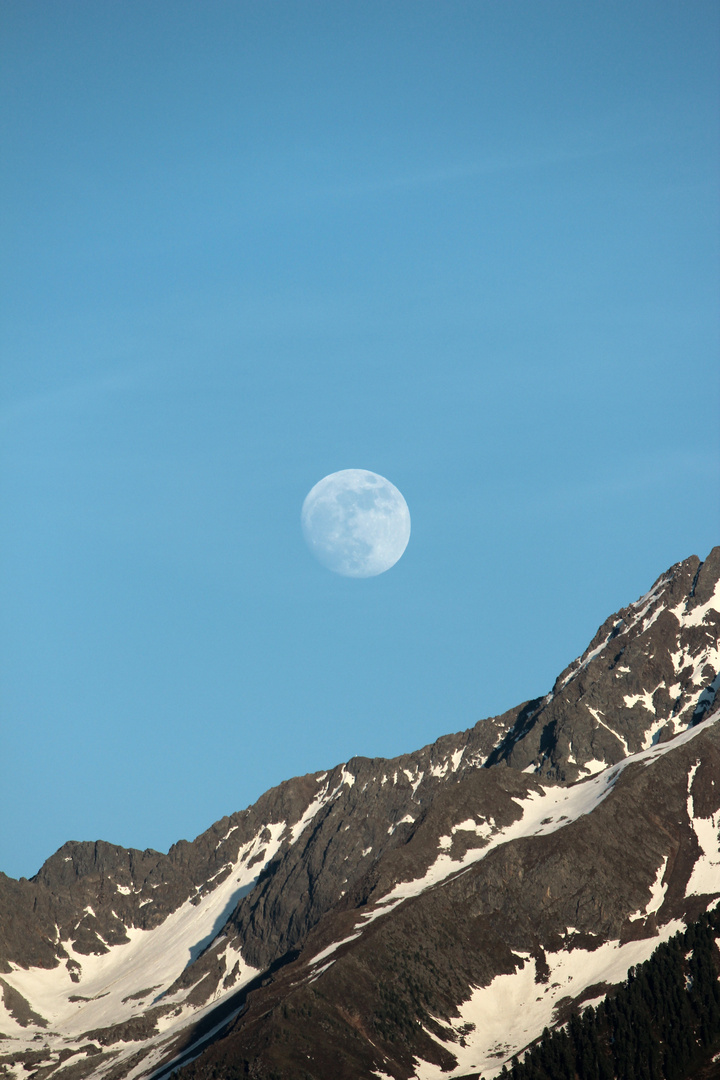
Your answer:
<point x="650" y="672"/>
<point x="396" y="917"/>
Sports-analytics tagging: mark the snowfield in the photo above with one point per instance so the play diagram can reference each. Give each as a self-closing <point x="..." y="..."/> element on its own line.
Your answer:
<point x="110" y="987"/>
<point x="513" y="1010"/>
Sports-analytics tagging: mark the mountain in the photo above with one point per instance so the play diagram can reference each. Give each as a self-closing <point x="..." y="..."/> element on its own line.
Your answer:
<point x="420" y="917"/>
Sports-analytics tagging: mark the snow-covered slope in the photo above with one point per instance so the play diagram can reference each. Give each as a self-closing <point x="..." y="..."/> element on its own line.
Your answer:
<point x="499" y="1020"/>
<point x="79" y="1003"/>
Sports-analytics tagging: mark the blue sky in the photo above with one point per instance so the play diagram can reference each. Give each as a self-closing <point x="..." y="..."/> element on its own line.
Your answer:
<point x="471" y="246"/>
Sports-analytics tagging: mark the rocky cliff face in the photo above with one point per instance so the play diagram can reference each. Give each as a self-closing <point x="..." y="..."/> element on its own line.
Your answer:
<point x="649" y="672"/>
<point x="396" y="918"/>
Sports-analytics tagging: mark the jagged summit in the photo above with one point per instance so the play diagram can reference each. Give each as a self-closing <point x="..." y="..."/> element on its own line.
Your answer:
<point x="396" y="917"/>
<point x="650" y="671"/>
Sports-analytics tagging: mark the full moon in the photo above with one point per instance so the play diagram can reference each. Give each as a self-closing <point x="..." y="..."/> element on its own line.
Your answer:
<point x="356" y="523"/>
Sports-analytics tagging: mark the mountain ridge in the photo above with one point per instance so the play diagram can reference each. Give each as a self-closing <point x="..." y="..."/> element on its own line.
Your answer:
<point x="212" y="935"/>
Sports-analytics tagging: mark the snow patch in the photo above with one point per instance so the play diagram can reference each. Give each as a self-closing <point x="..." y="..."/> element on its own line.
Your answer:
<point x="219" y="872"/>
<point x="407" y="820"/>
<point x="229" y="833"/>
<point x="597" y="715"/>
<point x="705" y="877"/>
<point x="652" y="733"/>
<point x="593" y="766"/>
<point x="647" y="623"/>
<point x="646" y="699"/>
<point x="499" y="1020"/>
<point x="465" y="826"/>
<point x="696" y="617"/>
<point x="314" y="808"/>
<point x="331" y="949"/>
<point x="320" y="971"/>
<point x="657" y="894"/>
<point x="439" y="770"/>
<point x="645" y="602"/>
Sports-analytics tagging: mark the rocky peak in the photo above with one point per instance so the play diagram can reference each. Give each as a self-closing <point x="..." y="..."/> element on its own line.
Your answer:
<point x="651" y="670"/>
